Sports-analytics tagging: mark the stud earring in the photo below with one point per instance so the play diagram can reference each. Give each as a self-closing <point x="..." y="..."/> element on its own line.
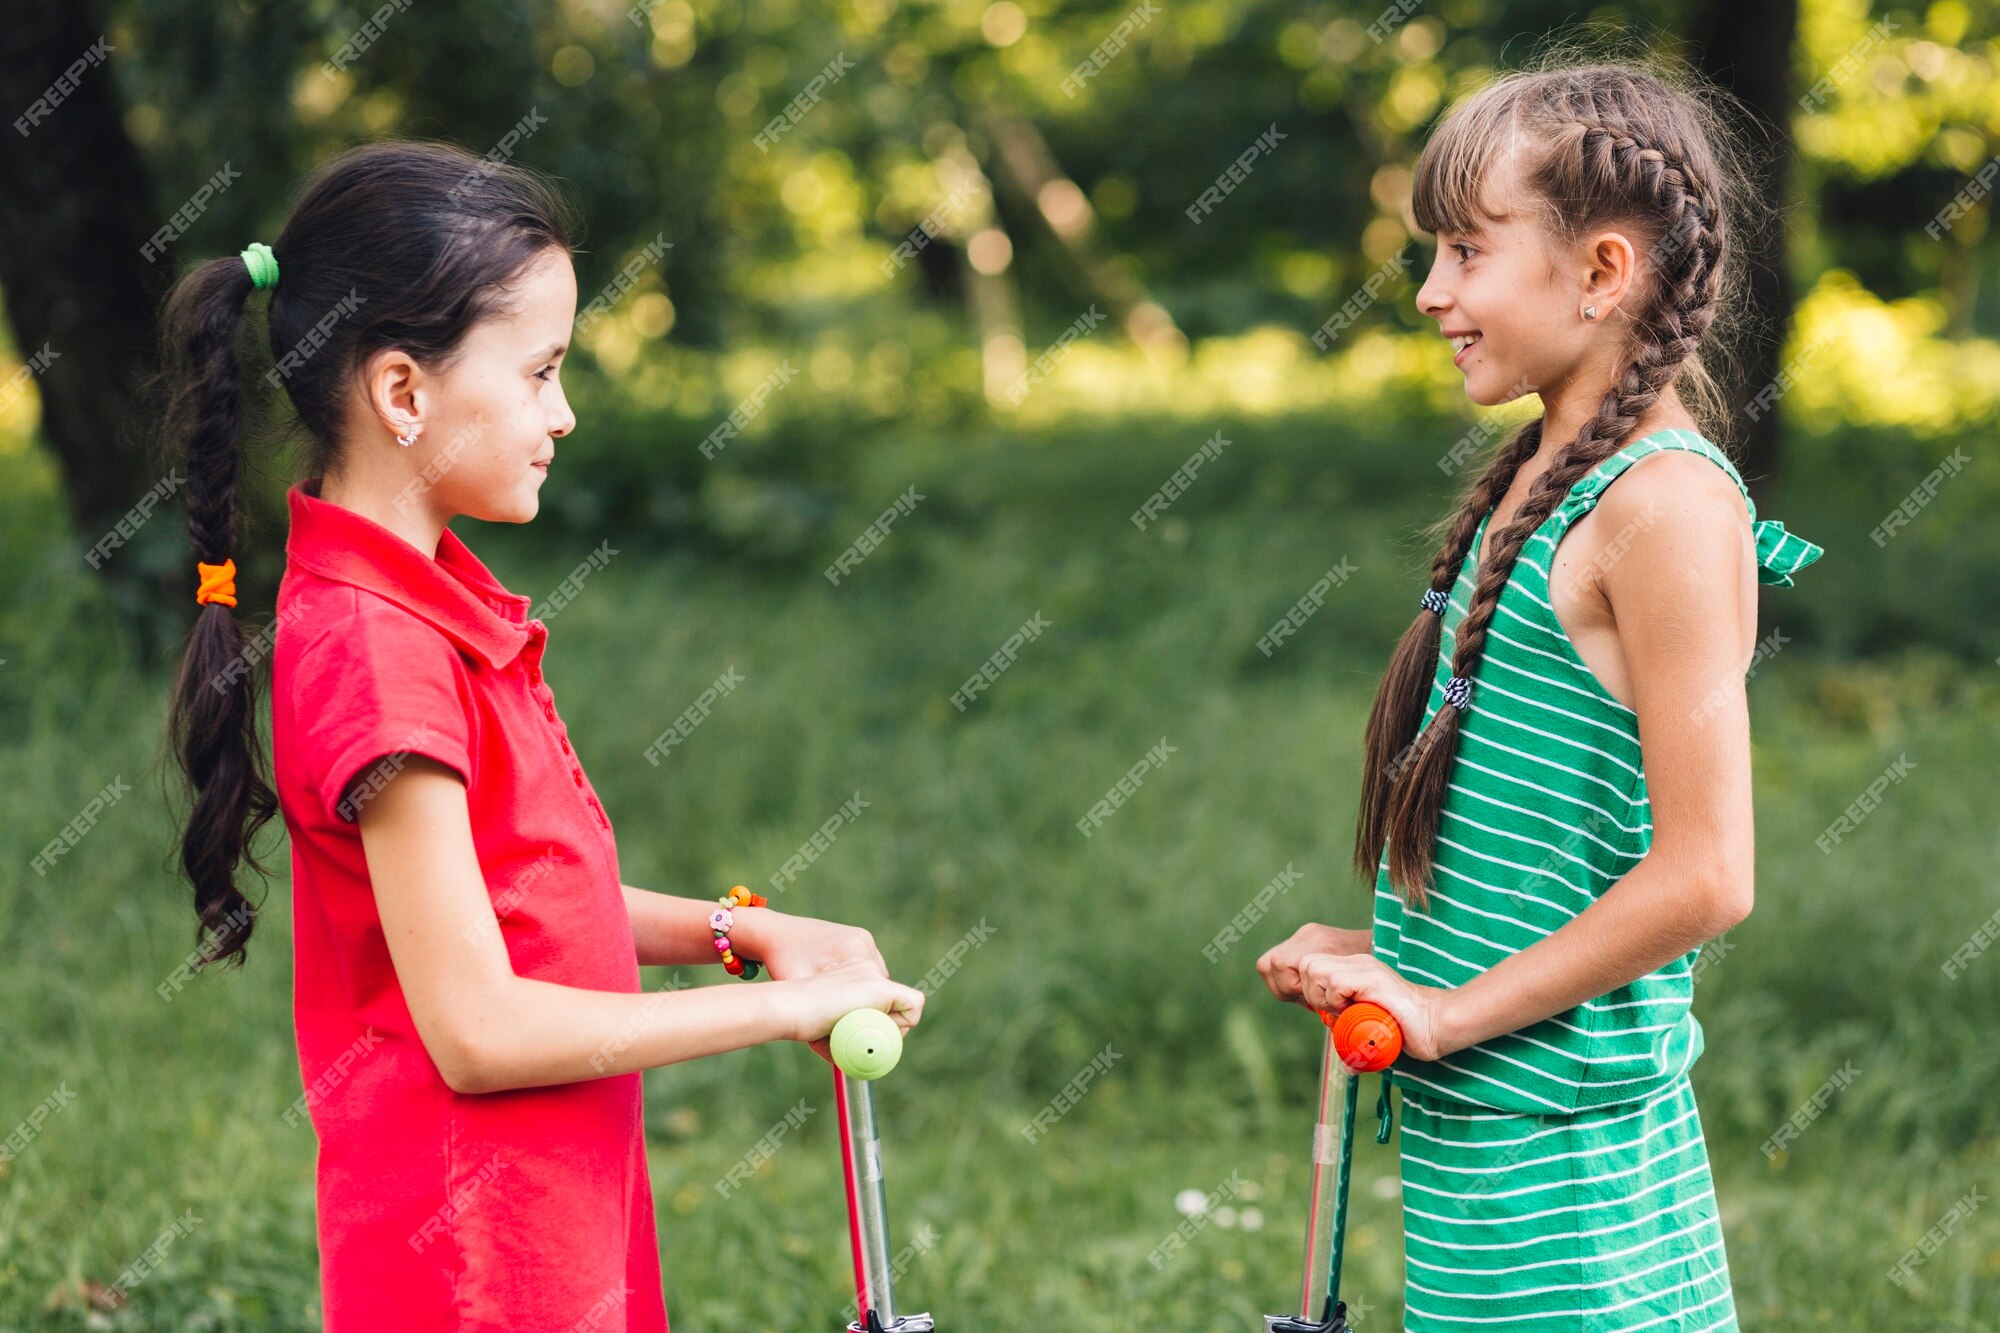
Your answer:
<point x="408" y="437"/>
<point x="1590" y="312"/>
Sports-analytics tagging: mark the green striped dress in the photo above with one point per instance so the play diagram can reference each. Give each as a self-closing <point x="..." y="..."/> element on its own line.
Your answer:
<point x="1554" y="1178"/>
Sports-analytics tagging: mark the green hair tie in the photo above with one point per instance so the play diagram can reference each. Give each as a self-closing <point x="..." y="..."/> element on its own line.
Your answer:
<point x="263" y="265"/>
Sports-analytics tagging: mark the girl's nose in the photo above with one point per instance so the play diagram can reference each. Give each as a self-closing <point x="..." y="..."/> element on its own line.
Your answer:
<point x="1430" y="299"/>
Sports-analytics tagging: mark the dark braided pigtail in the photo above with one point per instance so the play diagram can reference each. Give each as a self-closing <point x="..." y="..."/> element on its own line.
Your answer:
<point x="1611" y="144"/>
<point x="212" y="718"/>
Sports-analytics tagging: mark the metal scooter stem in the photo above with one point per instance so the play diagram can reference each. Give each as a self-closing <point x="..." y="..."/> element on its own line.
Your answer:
<point x="868" y="1214"/>
<point x="1320" y="1307"/>
<point x="1364" y="1038"/>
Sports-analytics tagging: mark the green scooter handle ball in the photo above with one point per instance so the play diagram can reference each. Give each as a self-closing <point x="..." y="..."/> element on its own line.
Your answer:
<point x="866" y="1044"/>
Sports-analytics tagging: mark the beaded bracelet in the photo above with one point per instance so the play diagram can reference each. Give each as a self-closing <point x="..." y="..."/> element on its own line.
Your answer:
<point x="720" y="921"/>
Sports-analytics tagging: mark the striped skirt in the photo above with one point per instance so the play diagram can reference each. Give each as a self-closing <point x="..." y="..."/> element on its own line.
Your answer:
<point x="1588" y="1223"/>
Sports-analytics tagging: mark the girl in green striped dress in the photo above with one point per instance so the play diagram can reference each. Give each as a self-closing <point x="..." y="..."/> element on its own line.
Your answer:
<point x="1556" y="805"/>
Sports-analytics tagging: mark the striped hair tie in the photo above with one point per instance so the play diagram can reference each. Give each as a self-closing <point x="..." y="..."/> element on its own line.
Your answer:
<point x="1433" y="600"/>
<point x="1458" y="693"/>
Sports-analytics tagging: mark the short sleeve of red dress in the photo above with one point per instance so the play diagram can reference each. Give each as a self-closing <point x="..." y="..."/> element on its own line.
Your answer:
<point x="379" y="685"/>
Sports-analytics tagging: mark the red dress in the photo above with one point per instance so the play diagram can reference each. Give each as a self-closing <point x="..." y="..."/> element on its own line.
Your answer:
<point x="525" y="1210"/>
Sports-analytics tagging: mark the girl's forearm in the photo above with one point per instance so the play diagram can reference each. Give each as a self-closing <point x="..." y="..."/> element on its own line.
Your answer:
<point x="670" y="931"/>
<point x="1651" y="916"/>
<point x="536" y="1033"/>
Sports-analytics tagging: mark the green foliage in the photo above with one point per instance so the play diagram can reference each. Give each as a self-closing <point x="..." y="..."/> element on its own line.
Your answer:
<point x="1094" y="942"/>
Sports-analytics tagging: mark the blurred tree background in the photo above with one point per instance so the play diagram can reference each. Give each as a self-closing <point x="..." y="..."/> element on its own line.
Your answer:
<point x="1052" y="187"/>
<point x="861" y="282"/>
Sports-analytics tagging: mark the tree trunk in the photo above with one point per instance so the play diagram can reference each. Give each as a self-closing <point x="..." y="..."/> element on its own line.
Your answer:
<point x="1747" y="49"/>
<point x="77" y="208"/>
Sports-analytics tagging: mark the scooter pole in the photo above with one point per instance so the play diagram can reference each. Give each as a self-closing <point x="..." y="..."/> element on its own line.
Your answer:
<point x="1363" y="1038"/>
<point x="866" y="1045"/>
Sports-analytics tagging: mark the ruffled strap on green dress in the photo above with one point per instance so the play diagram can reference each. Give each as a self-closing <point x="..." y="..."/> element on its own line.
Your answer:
<point x="1781" y="554"/>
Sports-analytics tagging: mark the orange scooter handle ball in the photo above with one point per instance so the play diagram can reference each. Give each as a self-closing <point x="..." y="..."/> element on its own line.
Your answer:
<point x="1366" y="1035"/>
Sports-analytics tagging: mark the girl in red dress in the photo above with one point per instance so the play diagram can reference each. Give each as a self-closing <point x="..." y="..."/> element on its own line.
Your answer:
<point x="471" y="1024"/>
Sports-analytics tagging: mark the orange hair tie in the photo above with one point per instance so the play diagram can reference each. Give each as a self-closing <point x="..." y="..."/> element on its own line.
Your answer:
<point x="218" y="583"/>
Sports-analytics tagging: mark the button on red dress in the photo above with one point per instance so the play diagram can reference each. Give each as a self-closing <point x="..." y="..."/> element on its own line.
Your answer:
<point x="524" y="1210"/>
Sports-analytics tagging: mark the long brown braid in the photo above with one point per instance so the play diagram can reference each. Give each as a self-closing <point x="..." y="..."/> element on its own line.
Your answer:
<point x="1608" y="144"/>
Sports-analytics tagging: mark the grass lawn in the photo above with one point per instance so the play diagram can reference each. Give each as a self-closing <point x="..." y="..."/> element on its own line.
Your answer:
<point x="176" y="1110"/>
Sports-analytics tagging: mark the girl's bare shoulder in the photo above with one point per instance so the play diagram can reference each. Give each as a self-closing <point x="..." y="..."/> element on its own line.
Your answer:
<point x="1678" y="506"/>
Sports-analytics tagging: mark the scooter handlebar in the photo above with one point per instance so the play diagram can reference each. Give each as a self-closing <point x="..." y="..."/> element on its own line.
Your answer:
<point x="1367" y="1036"/>
<point x="866" y="1044"/>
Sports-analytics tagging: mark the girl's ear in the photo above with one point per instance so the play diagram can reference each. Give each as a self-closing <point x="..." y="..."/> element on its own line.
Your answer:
<point x="1612" y="266"/>
<point x="397" y="389"/>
